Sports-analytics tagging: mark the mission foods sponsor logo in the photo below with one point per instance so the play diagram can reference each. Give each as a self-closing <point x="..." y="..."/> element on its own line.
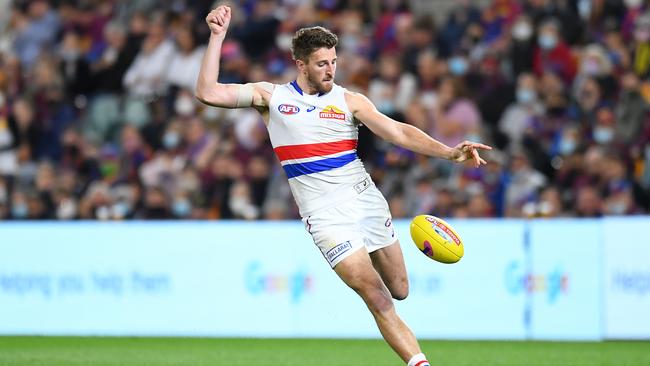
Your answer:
<point x="332" y="112"/>
<point x="288" y="109"/>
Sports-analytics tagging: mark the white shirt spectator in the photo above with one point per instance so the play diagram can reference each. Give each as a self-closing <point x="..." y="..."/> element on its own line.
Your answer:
<point x="184" y="68"/>
<point x="147" y="76"/>
<point x="391" y="98"/>
<point x="517" y="118"/>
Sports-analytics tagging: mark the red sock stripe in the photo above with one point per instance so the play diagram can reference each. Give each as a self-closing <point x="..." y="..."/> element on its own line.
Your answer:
<point x="422" y="363"/>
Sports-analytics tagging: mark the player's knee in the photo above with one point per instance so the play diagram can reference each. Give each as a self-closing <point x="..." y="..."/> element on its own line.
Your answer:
<point x="376" y="296"/>
<point x="401" y="292"/>
<point x="380" y="302"/>
<point x="373" y="291"/>
<point x="399" y="289"/>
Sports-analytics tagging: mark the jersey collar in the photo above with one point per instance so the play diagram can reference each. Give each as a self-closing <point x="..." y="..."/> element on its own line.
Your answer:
<point x="299" y="89"/>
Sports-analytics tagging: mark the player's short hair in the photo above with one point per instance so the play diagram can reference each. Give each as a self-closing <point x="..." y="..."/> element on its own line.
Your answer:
<point x="308" y="40"/>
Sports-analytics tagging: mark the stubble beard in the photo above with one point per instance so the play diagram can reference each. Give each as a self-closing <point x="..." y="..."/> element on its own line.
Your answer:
<point x="319" y="85"/>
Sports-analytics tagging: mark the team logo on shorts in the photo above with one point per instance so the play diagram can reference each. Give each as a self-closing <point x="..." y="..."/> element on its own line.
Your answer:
<point x="332" y="112"/>
<point x="389" y="224"/>
<point x="288" y="109"/>
<point x="362" y="186"/>
<point x="338" y="251"/>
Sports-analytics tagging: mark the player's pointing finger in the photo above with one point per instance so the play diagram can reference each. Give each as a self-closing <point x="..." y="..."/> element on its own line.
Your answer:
<point x="481" y="146"/>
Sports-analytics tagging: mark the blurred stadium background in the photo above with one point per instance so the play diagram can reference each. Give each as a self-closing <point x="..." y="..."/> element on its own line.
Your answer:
<point x="99" y="132"/>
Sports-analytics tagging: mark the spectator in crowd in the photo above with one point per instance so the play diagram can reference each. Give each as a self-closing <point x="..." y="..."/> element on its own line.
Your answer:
<point x="455" y="117"/>
<point x="523" y="184"/>
<point x="552" y="53"/>
<point x="9" y="140"/>
<point x="522" y="46"/>
<point x="185" y="60"/>
<point x="147" y="75"/>
<point x="36" y="27"/>
<point x="392" y="89"/>
<point x="519" y="116"/>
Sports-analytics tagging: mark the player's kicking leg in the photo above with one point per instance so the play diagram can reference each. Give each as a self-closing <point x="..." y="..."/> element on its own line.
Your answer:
<point x="389" y="263"/>
<point x="358" y="273"/>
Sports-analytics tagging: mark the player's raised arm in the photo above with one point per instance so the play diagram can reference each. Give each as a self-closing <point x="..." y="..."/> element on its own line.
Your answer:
<point x="208" y="89"/>
<point x="408" y="136"/>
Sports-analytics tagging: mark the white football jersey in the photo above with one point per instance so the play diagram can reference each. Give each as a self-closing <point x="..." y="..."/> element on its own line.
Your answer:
<point x="315" y="138"/>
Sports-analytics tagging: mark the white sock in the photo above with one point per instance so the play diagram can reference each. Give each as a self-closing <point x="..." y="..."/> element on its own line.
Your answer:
<point x="419" y="360"/>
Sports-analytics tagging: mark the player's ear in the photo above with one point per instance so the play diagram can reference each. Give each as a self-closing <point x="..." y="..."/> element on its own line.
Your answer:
<point x="301" y="65"/>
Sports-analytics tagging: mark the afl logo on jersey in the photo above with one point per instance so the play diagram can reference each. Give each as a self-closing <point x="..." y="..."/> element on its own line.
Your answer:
<point x="288" y="109"/>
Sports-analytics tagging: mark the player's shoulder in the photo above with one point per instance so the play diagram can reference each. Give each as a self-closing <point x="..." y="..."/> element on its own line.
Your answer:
<point x="260" y="93"/>
<point x="356" y="100"/>
<point x="353" y="93"/>
<point x="264" y="86"/>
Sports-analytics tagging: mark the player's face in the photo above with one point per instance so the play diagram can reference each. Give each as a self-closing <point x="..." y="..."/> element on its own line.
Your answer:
<point x="321" y="68"/>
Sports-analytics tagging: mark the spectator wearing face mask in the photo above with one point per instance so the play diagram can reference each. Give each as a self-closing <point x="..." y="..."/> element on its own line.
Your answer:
<point x="621" y="202"/>
<point x="74" y="68"/>
<point x="522" y="46"/>
<point x="517" y="117"/>
<point x="595" y="63"/>
<point x="552" y="53"/>
<point x="165" y="167"/>
<point x="603" y="132"/>
<point x="391" y="90"/>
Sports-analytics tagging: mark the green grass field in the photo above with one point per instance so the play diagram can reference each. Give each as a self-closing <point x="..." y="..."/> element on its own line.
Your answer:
<point x="90" y="351"/>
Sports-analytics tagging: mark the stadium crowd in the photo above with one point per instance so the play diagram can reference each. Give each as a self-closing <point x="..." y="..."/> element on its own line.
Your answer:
<point x="98" y="118"/>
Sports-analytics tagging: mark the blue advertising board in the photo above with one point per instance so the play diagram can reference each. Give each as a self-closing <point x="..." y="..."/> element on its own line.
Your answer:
<point x="470" y="298"/>
<point x="626" y="278"/>
<point x="519" y="279"/>
<point x="564" y="280"/>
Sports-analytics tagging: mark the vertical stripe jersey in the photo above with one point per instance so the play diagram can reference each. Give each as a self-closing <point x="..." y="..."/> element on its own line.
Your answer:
<point x="315" y="139"/>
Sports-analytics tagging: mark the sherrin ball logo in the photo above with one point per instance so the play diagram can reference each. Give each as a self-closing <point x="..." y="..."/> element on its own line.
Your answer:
<point x="443" y="230"/>
<point x="288" y="109"/>
<point x="435" y="238"/>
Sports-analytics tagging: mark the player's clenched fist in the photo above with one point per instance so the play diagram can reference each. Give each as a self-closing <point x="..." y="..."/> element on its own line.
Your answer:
<point x="218" y="20"/>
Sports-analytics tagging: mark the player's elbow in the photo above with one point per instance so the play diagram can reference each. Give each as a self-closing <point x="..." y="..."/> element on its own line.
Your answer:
<point x="216" y="96"/>
<point x="209" y="97"/>
<point x="201" y="95"/>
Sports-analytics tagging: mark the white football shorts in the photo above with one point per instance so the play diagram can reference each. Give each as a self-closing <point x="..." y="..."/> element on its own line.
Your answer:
<point x="364" y="221"/>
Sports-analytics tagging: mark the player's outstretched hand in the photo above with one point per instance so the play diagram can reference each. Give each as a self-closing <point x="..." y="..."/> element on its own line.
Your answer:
<point x="218" y="20"/>
<point x="469" y="150"/>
